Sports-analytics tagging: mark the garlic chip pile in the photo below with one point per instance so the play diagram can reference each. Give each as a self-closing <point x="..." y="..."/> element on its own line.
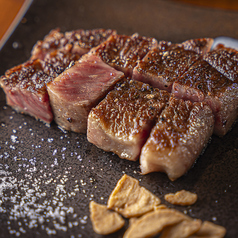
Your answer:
<point x="148" y="217"/>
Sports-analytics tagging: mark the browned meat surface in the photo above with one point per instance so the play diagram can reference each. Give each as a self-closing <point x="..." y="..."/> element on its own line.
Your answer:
<point x="162" y="66"/>
<point x="180" y="134"/>
<point x="202" y="82"/>
<point x="225" y="60"/>
<point x="77" y="42"/>
<point x="79" y="88"/>
<point x="25" y="89"/>
<point x="200" y="45"/>
<point x="25" y="85"/>
<point x="122" y="52"/>
<point x="122" y="121"/>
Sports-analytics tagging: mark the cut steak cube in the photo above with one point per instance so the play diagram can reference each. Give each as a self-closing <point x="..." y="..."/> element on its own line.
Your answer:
<point x="225" y="60"/>
<point x="25" y="85"/>
<point x="200" y="45"/>
<point x="122" y="52"/>
<point x="122" y="121"/>
<point x="25" y="89"/>
<point x="160" y="68"/>
<point x="77" y="42"/>
<point x="180" y="134"/>
<point x="79" y="88"/>
<point x="202" y="82"/>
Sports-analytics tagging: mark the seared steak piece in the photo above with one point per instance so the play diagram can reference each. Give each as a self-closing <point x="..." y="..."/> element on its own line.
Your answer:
<point x="77" y="42"/>
<point x="122" y="52"/>
<point x="25" y="89"/>
<point x="122" y="121"/>
<point x="79" y="88"/>
<point x="180" y="134"/>
<point x="162" y="66"/>
<point x="202" y="82"/>
<point x="200" y="45"/>
<point x="25" y="84"/>
<point x="225" y="60"/>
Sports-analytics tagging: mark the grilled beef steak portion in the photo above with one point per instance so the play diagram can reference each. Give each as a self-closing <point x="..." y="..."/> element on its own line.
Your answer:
<point x="202" y="82"/>
<point x="122" y="121"/>
<point x="200" y="45"/>
<point x="77" y="42"/>
<point x="79" y="88"/>
<point x="180" y="134"/>
<point x="25" y="89"/>
<point x="25" y="85"/>
<point x="225" y="60"/>
<point x="160" y="67"/>
<point x="122" y="52"/>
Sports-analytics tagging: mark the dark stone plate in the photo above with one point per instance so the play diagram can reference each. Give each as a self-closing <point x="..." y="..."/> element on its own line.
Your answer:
<point x="48" y="176"/>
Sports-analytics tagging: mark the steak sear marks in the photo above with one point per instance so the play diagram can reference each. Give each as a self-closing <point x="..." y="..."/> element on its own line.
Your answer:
<point x="180" y="134"/>
<point x="122" y="121"/>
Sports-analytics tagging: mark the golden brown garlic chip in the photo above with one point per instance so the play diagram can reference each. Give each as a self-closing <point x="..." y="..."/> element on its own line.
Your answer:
<point x="210" y="230"/>
<point x="130" y="199"/>
<point x="183" y="198"/>
<point x="182" y="230"/>
<point x="104" y="221"/>
<point x="153" y="223"/>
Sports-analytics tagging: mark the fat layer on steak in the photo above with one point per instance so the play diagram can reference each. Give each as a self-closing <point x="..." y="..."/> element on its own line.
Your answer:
<point x="202" y="82"/>
<point x="180" y="134"/>
<point x="225" y="60"/>
<point x="122" y="52"/>
<point x="122" y="121"/>
<point x="79" y="88"/>
<point x="77" y="42"/>
<point x="163" y="65"/>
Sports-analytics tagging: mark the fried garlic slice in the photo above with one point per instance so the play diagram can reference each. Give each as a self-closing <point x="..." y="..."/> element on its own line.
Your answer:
<point x="130" y="199"/>
<point x="103" y="220"/>
<point x="183" y="198"/>
<point x="153" y="223"/>
<point x="182" y="230"/>
<point x="210" y="230"/>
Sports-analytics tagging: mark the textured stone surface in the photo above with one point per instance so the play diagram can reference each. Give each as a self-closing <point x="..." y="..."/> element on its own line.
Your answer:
<point x="48" y="177"/>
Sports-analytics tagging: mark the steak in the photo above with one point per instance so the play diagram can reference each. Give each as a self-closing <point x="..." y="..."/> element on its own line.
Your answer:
<point x="77" y="42"/>
<point x="122" y="121"/>
<point x="25" y="85"/>
<point x="79" y="88"/>
<point x="225" y="60"/>
<point x="25" y="89"/>
<point x="122" y="52"/>
<point x="180" y="134"/>
<point x="200" y="45"/>
<point x="160" y="68"/>
<point x="202" y="82"/>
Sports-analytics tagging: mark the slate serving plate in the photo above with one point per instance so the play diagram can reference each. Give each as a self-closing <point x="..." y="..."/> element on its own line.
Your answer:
<point x="49" y="176"/>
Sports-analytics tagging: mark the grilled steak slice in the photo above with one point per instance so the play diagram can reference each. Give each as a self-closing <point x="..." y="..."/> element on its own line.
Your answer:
<point x="77" y="42"/>
<point x="200" y="45"/>
<point x="122" y="52"/>
<point x="225" y="60"/>
<point x="180" y="134"/>
<point x="162" y="66"/>
<point x="79" y="88"/>
<point x="122" y="121"/>
<point x="25" y="89"/>
<point x="25" y="85"/>
<point x="202" y="82"/>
